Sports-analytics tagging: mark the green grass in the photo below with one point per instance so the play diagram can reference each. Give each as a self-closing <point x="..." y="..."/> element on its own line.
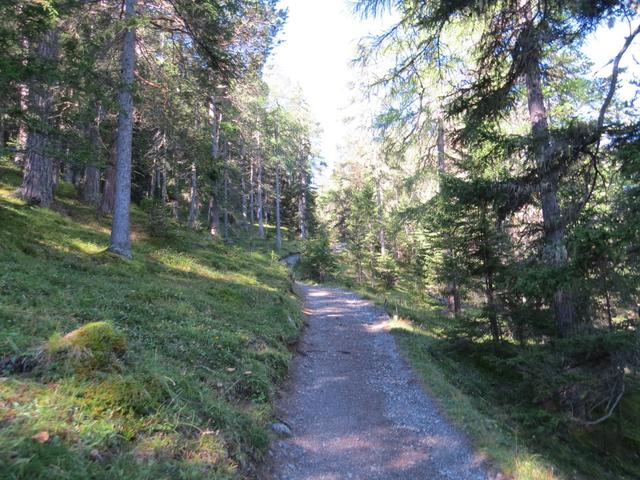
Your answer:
<point x="206" y="327"/>
<point x="518" y="438"/>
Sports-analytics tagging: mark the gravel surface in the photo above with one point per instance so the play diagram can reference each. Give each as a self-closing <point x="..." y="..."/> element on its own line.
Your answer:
<point x="355" y="408"/>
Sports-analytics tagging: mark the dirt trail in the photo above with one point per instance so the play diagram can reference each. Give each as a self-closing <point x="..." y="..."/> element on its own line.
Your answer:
<point x="356" y="409"/>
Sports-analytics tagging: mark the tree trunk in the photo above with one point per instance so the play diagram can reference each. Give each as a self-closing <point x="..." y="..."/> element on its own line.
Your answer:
<point x="91" y="184"/>
<point x="109" y="190"/>
<point x="491" y="308"/>
<point x="381" y="233"/>
<point x="442" y="163"/>
<point x="38" y="180"/>
<point x="175" y="204"/>
<point x="278" y="232"/>
<point x="555" y="253"/>
<point x="2" y="131"/>
<point x="453" y="292"/>
<point x="252" y="203"/>
<point x="260" y="206"/>
<point x="164" y="194"/>
<point x="216" y="117"/>
<point x="120" y="240"/>
<point x="193" y="199"/>
<point x="214" y="216"/>
<point x="21" y="138"/>
<point x="608" y="304"/>
<point x="243" y="186"/>
<point x="226" y="193"/>
<point x="302" y="199"/>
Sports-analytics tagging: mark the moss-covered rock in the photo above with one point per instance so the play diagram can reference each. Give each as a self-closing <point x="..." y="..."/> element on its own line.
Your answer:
<point x="93" y="346"/>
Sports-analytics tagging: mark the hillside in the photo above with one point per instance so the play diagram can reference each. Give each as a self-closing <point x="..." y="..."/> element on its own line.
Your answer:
<point x="201" y="330"/>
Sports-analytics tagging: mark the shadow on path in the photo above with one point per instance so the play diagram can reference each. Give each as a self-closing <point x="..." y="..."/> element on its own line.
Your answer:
<point x="356" y="409"/>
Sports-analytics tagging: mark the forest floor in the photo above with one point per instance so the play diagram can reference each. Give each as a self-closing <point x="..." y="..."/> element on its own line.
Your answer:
<point x="200" y="330"/>
<point x="518" y="438"/>
<point x="355" y="408"/>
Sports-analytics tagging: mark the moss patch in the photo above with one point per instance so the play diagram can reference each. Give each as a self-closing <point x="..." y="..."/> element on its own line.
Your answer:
<point x="93" y="346"/>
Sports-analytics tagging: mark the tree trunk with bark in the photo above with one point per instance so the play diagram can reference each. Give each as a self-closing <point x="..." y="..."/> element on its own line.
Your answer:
<point x="91" y="185"/>
<point x="2" y="131"/>
<point x="252" y="202"/>
<point x="21" y="137"/>
<point x="302" y="199"/>
<point x="214" y="216"/>
<point x="193" y="198"/>
<point x="109" y="190"/>
<point x="243" y="186"/>
<point x="492" y="311"/>
<point x="226" y="192"/>
<point x="38" y="179"/>
<point x="120" y="239"/>
<point x="381" y="232"/>
<point x="278" y="230"/>
<point x="215" y="117"/>
<point x="260" y="205"/>
<point x="555" y="253"/>
<point x="91" y="180"/>
<point x="454" y="303"/>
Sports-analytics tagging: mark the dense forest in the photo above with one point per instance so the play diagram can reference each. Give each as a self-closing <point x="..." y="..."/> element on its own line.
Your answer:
<point x="487" y="196"/>
<point x="498" y="180"/>
<point x="162" y="99"/>
<point x="148" y="174"/>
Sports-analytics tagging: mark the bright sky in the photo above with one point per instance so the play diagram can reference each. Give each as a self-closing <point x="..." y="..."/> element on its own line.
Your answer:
<point x="319" y="41"/>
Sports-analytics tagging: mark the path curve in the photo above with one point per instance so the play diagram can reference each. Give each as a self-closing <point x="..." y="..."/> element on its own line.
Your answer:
<point x="356" y="409"/>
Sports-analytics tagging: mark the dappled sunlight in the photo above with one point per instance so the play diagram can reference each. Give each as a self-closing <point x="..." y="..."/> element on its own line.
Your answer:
<point x="87" y="247"/>
<point x="378" y="450"/>
<point x="320" y="293"/>
<point x="191" y="265"/>
<point x="207" y="328"/>
<point x="402" y="325"/>
<point x="329" y="381"/>
<point x="380" y="326"/>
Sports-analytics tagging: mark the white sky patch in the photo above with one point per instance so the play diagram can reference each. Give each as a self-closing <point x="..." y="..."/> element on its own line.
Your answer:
<point x="319" y="42"/>
<point x="604" y="45"/>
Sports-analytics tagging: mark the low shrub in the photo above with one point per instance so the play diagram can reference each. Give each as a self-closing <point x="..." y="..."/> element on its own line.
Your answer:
<point x="317" y="262"/>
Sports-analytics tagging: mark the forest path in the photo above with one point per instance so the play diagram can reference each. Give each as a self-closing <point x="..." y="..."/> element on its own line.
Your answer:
<point x="356" y="409"/>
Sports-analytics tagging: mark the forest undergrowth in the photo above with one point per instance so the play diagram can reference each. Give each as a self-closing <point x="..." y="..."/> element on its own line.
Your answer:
<point x="496" y="393"/>
<point x="161" y="367"/>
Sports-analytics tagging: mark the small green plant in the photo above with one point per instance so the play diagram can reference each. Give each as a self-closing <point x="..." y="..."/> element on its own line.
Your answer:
<point x="317" y="262"/>
<point x="387" y="270"/>
<point x="159" y="217"/>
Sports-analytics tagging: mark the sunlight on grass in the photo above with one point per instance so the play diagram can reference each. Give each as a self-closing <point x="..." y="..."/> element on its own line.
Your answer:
<point x="419" y="326"/>
<point x="87" y="247"/>
<point x="497" y="445"/>
<point x="206" y="327"/>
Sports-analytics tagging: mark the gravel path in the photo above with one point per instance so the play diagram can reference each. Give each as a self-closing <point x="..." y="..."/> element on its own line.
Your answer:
<point x="356" y="409"/>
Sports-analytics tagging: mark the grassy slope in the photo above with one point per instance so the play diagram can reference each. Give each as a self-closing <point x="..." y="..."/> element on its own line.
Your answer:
<point x="207" y="328"/>
<point x="469" y="393"/>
